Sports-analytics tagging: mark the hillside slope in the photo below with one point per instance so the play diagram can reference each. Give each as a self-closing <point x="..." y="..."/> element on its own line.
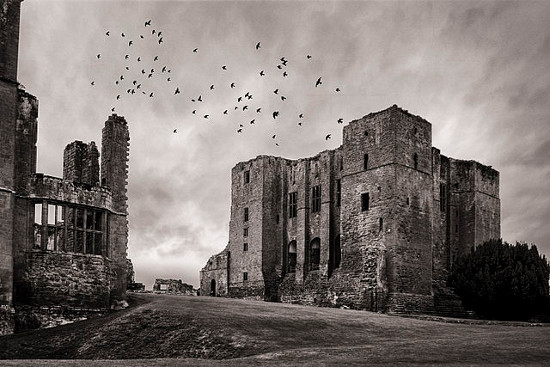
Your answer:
<point x="163" y="326"/>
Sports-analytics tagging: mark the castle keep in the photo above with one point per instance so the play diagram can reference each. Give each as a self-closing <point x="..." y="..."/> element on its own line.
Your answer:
<point x="62" y="240"/>
<point x="374" y="224"/>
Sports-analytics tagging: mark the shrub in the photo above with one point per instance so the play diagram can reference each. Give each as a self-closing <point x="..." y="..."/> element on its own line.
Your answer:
<point x="503" y="281"/>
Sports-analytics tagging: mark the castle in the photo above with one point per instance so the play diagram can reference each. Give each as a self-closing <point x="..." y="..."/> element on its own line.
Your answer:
<point x="374" y="224"/>
<point x="62" y="240"/>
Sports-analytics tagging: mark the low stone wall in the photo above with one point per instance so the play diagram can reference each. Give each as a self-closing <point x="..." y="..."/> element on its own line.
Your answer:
<point x="249" y="290"/>
<point x="33" y="317"/>
<point x="7" y="320"/>
<point x="410" y="303"/>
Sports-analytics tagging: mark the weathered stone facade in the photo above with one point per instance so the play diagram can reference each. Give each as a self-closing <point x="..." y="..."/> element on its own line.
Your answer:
<point x="374" y="224"/>
<point x="62" y="240"/>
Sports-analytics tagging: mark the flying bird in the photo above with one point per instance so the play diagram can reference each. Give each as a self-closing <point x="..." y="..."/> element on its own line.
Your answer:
<point x="194" y="112"/>
<point x="158" y="34"/>
<point x="283" y="98"/>
<point x="143" y="71"/>
<point x="258" y="46"/>
<point x="232" y="85"/>
<point x="113" y="109"/>
<point x="338" y="89"/>
<point x="245" y="107"/>
<point x="122" y="77"/>
<point x="279" y="66"/>
<point x="205" y="116"/>
<point x="126" y="57"/>
<point x="168" y="79"/>
<point x="118" y="96"/>
<point x="139" y="59"/>
<point x="150" y="75"/>
<point x="107" y="33"/>
<point x="276" y="91"/>
<point x="212" y="87"/>
<point x="138" y="86"/>
<point x="127" y="68"/>
<point x="148" y="22"/>
<point x="250" y="96"/>
<point x="92" y="83"/>
<point x="153" y="31"/>
<point x="141" y="36"/>
<point x="195" y="50"/>
<point x="224" y="67"/>
<point x="318" y="82"/>
<point x="175" y="131"/>
<point x="156" y="58"/>
<point x="262" y="73"/>
<point x="340" y="120"/>
<point x="160" y="40"/>
<point x="273" y="137"/>
<point x="134" y="82"/>
<point x="98" y="56"/>
<point x="177" y="91"/>
<point x="199" y="99"/>
<point x="123" y="35"/>
<point x="258" y="110"/>
<point x="275" y="114"/>
<point x="240" y="130"/>
<point x="285" y="74"/>
<point x="163" y="69"/>
<point x="252" y="122"/>
<point x="130" y="43"/>
<point x="299" y="124"/>
<point x="277" y="144"/>
<point x="151" y="95"/>
<point x="116" y="82"/>
<point x="327" y="137"/>
<point x="301" y="116"/>
<point x="239" y="99"/>
<point x="225" y="112"/>
<point x="308" y="56"/>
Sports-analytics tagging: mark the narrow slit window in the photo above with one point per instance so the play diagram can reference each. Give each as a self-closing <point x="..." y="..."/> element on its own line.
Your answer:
<point x="316" y="198"/>
<point x="365" y="201"/>
<point x="246" y="177"/>
<point x="246" y="214"/>
<point x="245" y="246"/>
<point x="366" y="162"/>
<point x="380" y="225"/>
<point x="338" y="192"/>
<point x="415" y="158"/>
<point x="245" y="276"/>
<point x="292" y="204"/>
<point x="245" y="232"/>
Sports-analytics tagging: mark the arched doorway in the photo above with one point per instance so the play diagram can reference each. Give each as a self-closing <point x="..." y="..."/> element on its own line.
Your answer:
<point x="292" y="257"/>
<point x="213" y="288"/>
<point x="314" y="253"/>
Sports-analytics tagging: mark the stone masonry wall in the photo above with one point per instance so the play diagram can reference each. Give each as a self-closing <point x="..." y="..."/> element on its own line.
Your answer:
<point x="214" y="275"/>
<point x="81" y="163"/>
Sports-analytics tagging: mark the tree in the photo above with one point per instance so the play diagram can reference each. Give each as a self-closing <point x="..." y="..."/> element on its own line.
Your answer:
<point x="503" y="281"/>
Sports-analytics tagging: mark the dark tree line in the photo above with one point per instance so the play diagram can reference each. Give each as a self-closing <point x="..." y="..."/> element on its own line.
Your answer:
<point x="498" y="280"/>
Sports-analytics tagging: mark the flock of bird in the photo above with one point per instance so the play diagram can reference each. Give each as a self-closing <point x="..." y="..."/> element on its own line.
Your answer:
<point x="141" y="70"/>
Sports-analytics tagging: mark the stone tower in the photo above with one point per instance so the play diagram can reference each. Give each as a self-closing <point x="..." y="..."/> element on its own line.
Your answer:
<point x="114" y="175"/>
<point x="9" y="108"/>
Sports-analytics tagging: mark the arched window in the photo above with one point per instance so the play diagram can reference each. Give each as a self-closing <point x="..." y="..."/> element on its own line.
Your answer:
<point x="415" y="158"/>
<point x="314" y="253"/>
<point x="292" y="257"/>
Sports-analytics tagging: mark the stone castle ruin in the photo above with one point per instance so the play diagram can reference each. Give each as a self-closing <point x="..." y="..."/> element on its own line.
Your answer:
<point x="374" y="224"/>
<point x="62" y="240"/>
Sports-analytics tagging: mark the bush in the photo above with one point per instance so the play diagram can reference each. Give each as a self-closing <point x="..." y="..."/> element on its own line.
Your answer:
<point x="502" y="281"/>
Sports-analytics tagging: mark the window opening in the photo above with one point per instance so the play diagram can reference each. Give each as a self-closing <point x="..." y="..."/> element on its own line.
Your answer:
<point x="246" y="214"/>
<point x="292" y="257"/>
<point x="316" y="198"/>
<point x="314" y="254"/>
<point x="338" y="192"/>
<point x="415" y="158"/>
<point x="246" y="177"/>
<point x="245" y="246"/>
<point x="366" y="162"/>
<point x="365" y="201"/>
<point x="292" y="204"/>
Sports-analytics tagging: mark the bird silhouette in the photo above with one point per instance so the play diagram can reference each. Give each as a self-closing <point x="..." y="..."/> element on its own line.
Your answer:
<point x="118" y="96"/>
<point x="279" y="66"/>
<point x="327" y="137"/>
<point x="139" y="59"/>
<point x="163" y="69"/>
<point x="141" y="36"/>
<point x="240" y="130"/>
<point x="275" y="114"/>
<point x="158" y="34"/>
<point x="98" y="56"/>
<point x="194" y="112"/>
<point x="152" y="70"/>
<point x="150" y="75"/>
<point x="262" y="73"/>
<point x="177" y="91"/>
<point x="143" y="71"/>
<point x="225" y="112"/>
<point x="338" y="89"/>
<point x="273" y="137"/>
<point x="175" y="131"/>
<point x="130" y="43"/>
<point x="122" y="77"/>
<point x="107" y="33"/>
<point x="250" y="96"/>
<point x="318" y="82"/>
<point x="258" y="46"/>
<point x="123" y="35"/>
<point x="205" y="116"/>
<point x="301" y="116"/>
<point x="239" y="99"/>
<point x="299" y="124"/>
<point x="285" y="74"/>
<point x="277" y="144"/>
<point x="148" y="23"/>
<point x="258" y="110"/>
<point x="236" y="107"/>
<point x="127" y="68"/>
<point x="224" y="67"/>
<point x="308" y="56"/>
<point x="232" y="85"/>
<point x="134" y="82"/>
<point x="245" y="107"/>
<point x="138" y="86"/>
<point x="134" y="91"/>
<point x="168" y="79"/>
<point x="160" y="40"/>
<point x="113" y="109"/>
<point x="92" y="83"/>
<point x="340" y="120"/>
<point x="151" y="95"/>
<point x="283" y="98"/>
<point x="195" y="50"/>
<point x="252" y="122"/>
<point x="284" y="62"/>
<point x="156" y="58"/>
<point x="199" y="99"/>
<point x="116" y="82"/>
<point x="276" y="91"/>
<point x="212" y="87"/>
<point x="153" y="31"/>
<point x="126" y="57"/>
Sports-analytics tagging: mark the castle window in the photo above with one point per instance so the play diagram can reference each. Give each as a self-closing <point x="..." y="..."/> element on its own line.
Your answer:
<point x="245" y="246"/>
<point x="314" y="253"/>
<point x="292" y="257"/>
<point x="316" y="198"/>
<point x="245" y="232"/>
<point x="415" y="158"/>
<point x="246" y="177"/>
<point x="338" y="192"/>
<point x="246" y="214"/>
<point x="380" y="225"/>
<point x="277" y="219"/>
<point x="341" y="163"/>
<point x="335" y="254"/>
<point x="366" y="133"/>
<point x="366" y="162"/>
<point x="292" y="204"/>
<point x="442" y="197"/>
<point x="365" y="201"/>
<point x="408" y="202"/>
<point x="245" y="276"/>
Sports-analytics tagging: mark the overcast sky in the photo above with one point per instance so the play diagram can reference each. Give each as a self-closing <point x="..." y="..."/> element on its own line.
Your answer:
<point x="478" y="71"/>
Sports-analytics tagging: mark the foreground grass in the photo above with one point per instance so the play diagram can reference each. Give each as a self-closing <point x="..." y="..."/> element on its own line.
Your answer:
<point x="203" y="331"/>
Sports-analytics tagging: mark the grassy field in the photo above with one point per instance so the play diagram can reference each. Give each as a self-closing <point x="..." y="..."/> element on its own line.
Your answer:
<point x="162" y="330"/>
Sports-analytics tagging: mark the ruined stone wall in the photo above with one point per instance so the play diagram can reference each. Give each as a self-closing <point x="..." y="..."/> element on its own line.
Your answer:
<point x="58" y="282"/>
<point x="81" y="163"/>
<point x="173" y="286"/>
<point x="214" y="275"/>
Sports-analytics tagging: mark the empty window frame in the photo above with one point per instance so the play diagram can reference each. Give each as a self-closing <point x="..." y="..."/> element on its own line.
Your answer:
<point x="365" y="201"/>
<point x="246" y="214"/>
<point x="380" y="225"/>
<point x="292" y="204"/>
<point x="314" y="253"/>
<point x="366" y="162"/>
<point x="246" y="176"/>
<point x="245" y="246"/>
<point x="291" y="257"/>
<point x="245" y="232"/>
<point x="245" y="276"/>
<point x="316" y="198"/>
<point x="62" y="227"/>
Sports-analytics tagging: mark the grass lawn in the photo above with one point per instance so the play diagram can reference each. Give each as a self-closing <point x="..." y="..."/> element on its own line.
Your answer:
<point x="163" y="330"/>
